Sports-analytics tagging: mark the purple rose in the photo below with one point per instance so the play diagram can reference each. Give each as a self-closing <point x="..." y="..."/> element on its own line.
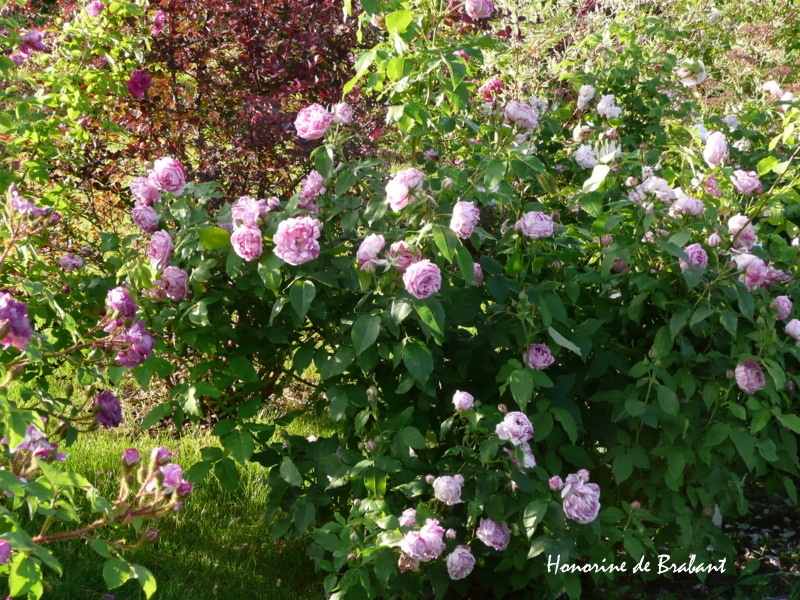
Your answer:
<point x="159" y="18"/>
<point x="32" y="40"/>
<point x="247" y="242"/>
<point x="160" y="455"/>
<point x="494" y="535"/>
<point x="173" y="476"/>
<point x="477" y="273"/>
<point x="312" y="122"/>
<point x="782" y="305"/>
<point x="120" y="300"/>
<point x="742" y="230"/>
<point x="176" y="283"/>
<point x="342" y="114"/>
<point x="749" y="377"/>
<point x="747" y="183"/>
<point x="402" y="189"/>
<point x="139" y="83"/>
<point x="515" y="427"/>
<point x="432" y="534"/>
<point x="556" y="483"/>
<point x="160" y="249"/>
<point x="535" y="225"/>
<point x="521" y="115"/>
<point x="296" y="240"/>
<point x="5" y="552"/>
<point x="311" y="188"/>
<point x="793" y="330"/>
<point x="580" y="500"/>
<point x="538" y="356"/>
<point x="479" y="9"/>
<point x="716" y="150"/>
<point x="144" y="191"/>
<point x="168" y="175"/>
<point x="109" y="409"/>
<point x="528" y="459"/>
<point x="247" y="211"/>
<point x="94" y="9"/>
<point x="408" y="518"/>
<point x="145" y="218"/>
<point x="35" y="442"/>
<point x="465" y="218"/>
<point x="448" y="489"/>
<point x="686" y="206"/>
<point x="137" y="344"/>
<point x="755" y="273"/>
<point x="401" y="256"/>
<point x="422" y="279"/>
<point x="15" y="328"/>
<point x="368" y="252"/>
<point x="70" y="262"/>
<point x="460" y="563"/>
<point x="131" y="457"/>
<point x="695" y="257"/>
<point x="463" y="400"/>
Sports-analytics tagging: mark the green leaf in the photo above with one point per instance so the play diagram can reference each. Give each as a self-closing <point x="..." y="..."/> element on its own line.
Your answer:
<point x="746" y="303"/>
<point x="521" y="383"/>
<point x="25" y="576"/>
<point x="418" y="359"/>
<point x="397" y="22"/>
<point x="240" y="445"/>
<point x="465" y="264"/>
<point x="432" y="314"/>
<point x="363" y="63"/>
<point x="162" y="411"/>
<point x="668" y="400"/>
<point x="301" y="295"/>
<point x="562" y="341"/>
<point x="701" y="314"/>
<point x="375" y="481"/>
<point x="622" y="467"/>
<point x="116" y="572"/>
<point x="533" y="515"/>
<point x="242" y="369"/>
<point x="790" y="421"/>
<point x="495" y="172"/>
<point x="215" y="238"/>
<point x="289" y="472"/>
<point x="662" y="343"/>
<point x="446" y="241"/>
<point x="599" y="174"/>
<point x="745" y="445"/>
<point x="147" y="580"/>
<point x="412" y="437"/>
<point x="365" y="332"/>
<point x="227" y="474"/>
<point x="401" y="308"/>
<point x="395" y="68"/>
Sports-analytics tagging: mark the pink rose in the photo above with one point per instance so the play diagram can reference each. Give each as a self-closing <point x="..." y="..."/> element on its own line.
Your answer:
<point x="755" y="272"/>
<point x="160" y="249"/>
<point x="782" y="305"/>
<point x="342" y="114"/>
<point x="422" y="279"/>
<point x="491" y="88"/>
<point x="463" y="400"/>
<point x="716" y="150"/>
<point x="521" y="115"/>
<point x="460" y="563"/>
<point x="538" y="356"/>
<point x="686" y="206"/>
<point x="793" y="329"/>
<point x="516" y="428"/>
<point x="408" y="518"/>
<point x="176" y="283"/>
<point x="477" y="273"/>
<point x="426" y="544"/>
<point x="494" y="535"/>
<point x="368" y="252"/>
<point x="93" y="9"/>
<point x="714" y="240"/>
<point x="247" y="242"/>
<point x="749" y="377"/>
<point x="168" y="175"/>
<point x="401" y="256"/>
<point x="144" y="191"/>
<point x="312" y="122"/>
<point x="159" y="19"/>
<point x="742" y="231"/>
<point x="747" y="183"/>
<point x="556" y="483"/>
<point x="535" y="225"/>
<point x="296" y="240"/>
<point x="247" y="211"/>
<point x="448" y="489"/>
<point x="479" y="9"/>
<point x="139" y="82"/>
<point x="695" y="256"/>
<point x="528" y="459"/>
<point x="310" y="188"/>
<point x="402" y="188"/>
<point x="465" y="217"/>
<point x="145" y="218"/>
<point x="581" y="501"/>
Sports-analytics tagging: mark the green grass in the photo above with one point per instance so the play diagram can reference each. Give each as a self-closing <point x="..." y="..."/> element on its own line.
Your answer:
<point x="217" y="546"/>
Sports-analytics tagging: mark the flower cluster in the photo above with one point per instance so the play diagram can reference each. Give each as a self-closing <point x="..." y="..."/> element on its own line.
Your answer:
<point x="132" y="342"/>
<point x="15" y="327"/>
<point x="580" y="499"/>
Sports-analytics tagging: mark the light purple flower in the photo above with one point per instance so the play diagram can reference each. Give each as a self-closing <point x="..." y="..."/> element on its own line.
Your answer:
<point x="714" y="240"/>
<point x="130" y="457"/>
<point x="120" y="300"/>
<point x="495" y="535"/>
<point x="585" y="156"/>
<point x="145" y="218"/>
<point x="477" y="273"/>
<point x="463" y="400"/>
<point x="747" y="182"/>
<point x="743" y="231"/>
<point x="137" y="344"/>
<point x="296" y="240"/>
<point x="312" y="122"/>
<point x="70" y="262"/>
<point x="160" y="249"/>
<point x="401" y="256"/>
<point x="160" y="455"/>
<point x="139" y="82"/>
<point x="686" y="205"/>
<point x="608" y="108"/>
<point x="247" y="211"/>
<point x="696" y="256"/>
<point x="402" y="189"/>
<point x="460" y="563"/>
<point x="368" y="251"/>
<point x="311" y="188"/>
<point x="109" y="409"/>
<point x="5" y="552"/>
<point x="14" y="323"/>
<point x="408" y="518"/>
<point x="173" y="476"/>
<point x="556" y="483"/>
<point x="538" y="356"/>
<point x="465" y="218"/>
<point x="448" y="489"/>
<point x="782" y="305"/>
<point x="535" y="225"/>
<point x="755" y="271"/>
<point x="749" y="377"/>
<point x="35" y="442"/>
<point x="342" y="114"/>
<point x="479" y="9"/>
<point x="144" y="191"/>
<point x="247" y="242"/>
<point x="422" y="279"/>
<point x="168" y="175"/>
<point x="432" y="534"/>
<point x="580" y="500"/>
<point x="176" y="283"/>
<point x="33" y="39"/>
<point x="521" y="115"/>
<point x="716" y="151"/>
<point x="159" y="18"/>
<point x="94" y="9"/>
<point x="515" y="427"/>
<point x="793" y="330"/>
